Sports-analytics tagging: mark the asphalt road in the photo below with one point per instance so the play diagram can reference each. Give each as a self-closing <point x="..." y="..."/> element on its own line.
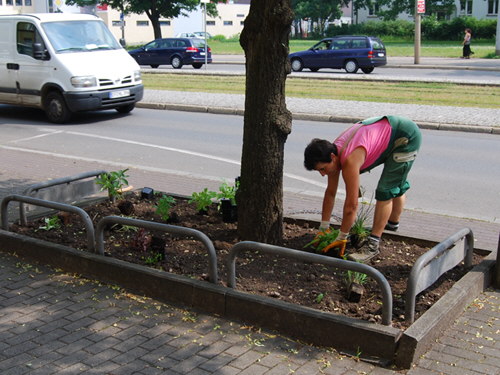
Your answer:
<point x="456" y="173"/>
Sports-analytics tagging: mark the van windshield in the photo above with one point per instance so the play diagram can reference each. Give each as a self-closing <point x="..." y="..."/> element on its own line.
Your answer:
<point x="78" y="36"/>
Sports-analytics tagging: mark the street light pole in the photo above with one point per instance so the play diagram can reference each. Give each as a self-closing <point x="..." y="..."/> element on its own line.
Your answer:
<point x="204" y="2"/>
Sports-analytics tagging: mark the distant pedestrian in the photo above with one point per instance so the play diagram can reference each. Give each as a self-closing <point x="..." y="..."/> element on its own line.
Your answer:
<point x="391" y="141"/>
<point x="466" y="43"/>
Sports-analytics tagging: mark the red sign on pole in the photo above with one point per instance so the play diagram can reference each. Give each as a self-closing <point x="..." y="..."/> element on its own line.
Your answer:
<point x="421" y="6"/>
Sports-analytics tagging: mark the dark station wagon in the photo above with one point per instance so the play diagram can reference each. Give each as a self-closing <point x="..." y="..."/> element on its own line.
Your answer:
<point x="173" y="51"/>
<point x="342" y="52"/>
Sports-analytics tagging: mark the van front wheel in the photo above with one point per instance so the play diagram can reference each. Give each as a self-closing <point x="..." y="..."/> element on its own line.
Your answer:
<point x="56" y="109"/>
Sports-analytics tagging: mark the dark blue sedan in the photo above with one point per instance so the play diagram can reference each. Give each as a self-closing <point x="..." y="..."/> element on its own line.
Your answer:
<point x="173" y="51"/>
<point x="342" y="52"/>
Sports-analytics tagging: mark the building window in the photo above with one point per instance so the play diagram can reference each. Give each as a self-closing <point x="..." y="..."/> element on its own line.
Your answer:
<point x="27" y="3"/>
<point x="9" y="2"/>
<point x="492" y="7"/>
<point x="242" y="23"/>
<point x="373" y="9"/>
<point x="228" y="23"/>
<point x="240" y="15"/>
<point x="142" y="23"/>
<point x="469" y="7"/>
<point x="210" y="23"/>
<point x="164" y="23"/>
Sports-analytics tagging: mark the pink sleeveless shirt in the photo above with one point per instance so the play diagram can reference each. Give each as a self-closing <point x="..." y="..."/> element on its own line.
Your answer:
<point x="374" y="138"/>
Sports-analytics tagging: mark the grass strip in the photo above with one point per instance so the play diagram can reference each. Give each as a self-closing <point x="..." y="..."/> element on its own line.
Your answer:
<point x="445" y="94"/>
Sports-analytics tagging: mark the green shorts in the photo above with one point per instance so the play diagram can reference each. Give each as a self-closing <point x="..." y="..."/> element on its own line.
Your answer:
<point x="398" y="158"/>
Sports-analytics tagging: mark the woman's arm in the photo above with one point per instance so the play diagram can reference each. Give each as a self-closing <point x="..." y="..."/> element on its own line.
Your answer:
<point x="329" y="197"/>
<point x="350" y="174"/>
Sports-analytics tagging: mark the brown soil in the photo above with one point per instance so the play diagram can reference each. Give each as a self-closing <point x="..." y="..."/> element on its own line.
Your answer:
<point x="316" y="286"/>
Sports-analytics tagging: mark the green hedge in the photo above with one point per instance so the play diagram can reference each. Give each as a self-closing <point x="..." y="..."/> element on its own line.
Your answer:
<point x="432" y="29"/>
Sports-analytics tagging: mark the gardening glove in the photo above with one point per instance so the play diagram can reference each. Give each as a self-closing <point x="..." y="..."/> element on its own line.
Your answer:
<point x="340" y="243"/>
<point x="324" y="225"/>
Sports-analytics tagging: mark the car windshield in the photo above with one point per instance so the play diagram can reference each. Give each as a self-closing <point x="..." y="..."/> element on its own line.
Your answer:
<point x="78" y="36"/>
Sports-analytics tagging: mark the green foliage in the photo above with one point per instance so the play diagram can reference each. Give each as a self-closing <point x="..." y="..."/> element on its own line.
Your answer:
<point x="203" y="199"/>
<point x="164" y="206"/>
<point x="227" y="191"/>
<point x="153" y="259"/>
<point x="432" y="29"/>
<point x="323" y="239"/>
<point x="113" y="182"/>
<point x="355" y="277"/>
<point x="53" y="222"/>
<point x="319" y="298"/>
<point x="359" y="228"/>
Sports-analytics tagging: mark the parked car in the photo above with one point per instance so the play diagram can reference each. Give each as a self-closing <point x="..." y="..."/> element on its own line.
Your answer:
<point x="342" y="52"/>
<point x="186" y="35"/>
<point x="201" y="34"/>
<point x="173" y="51"/>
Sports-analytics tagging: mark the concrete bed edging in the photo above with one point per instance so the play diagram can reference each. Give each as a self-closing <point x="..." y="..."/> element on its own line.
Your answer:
<point x="376" y="342"/>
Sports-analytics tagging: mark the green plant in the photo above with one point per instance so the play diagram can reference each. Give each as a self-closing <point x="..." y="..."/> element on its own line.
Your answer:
<point x="323" y="239"/>
<point x="164" y="206"/>
<point x="153" y="259"/>
<point x="355" y="277"/>
<point x="359" y="229"/>
<point x="113" y="182"/>
<point x="227" y="191"/>
<point x="53" y="222"/>
<point x="203" y="199"/>
<point x="320" y="297"/>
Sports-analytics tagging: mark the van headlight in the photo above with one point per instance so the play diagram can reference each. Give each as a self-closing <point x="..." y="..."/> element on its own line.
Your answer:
<point x="137" y="76"/>
<point x="84" y="81"/>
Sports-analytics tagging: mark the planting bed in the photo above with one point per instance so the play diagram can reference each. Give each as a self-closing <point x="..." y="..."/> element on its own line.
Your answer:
<point x="315" y="286"/>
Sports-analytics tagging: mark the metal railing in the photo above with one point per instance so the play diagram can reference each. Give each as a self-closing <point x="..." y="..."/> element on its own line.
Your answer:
<point x="179" y="231"/>
<point x="49" y="204"/>
<point x="435" y="262"/>
<point x="314" y="258"/>
<point x="58" y="181"/>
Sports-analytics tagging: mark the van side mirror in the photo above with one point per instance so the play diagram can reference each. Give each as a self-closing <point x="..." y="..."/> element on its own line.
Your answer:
<point x="39" y="52"/>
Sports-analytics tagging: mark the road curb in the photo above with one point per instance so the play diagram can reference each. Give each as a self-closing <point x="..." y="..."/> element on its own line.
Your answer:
<point x="315" y="117"/>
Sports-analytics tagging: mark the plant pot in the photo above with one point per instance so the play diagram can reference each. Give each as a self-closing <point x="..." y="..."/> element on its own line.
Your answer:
<point x="229" y="211"/>
<point x="355" y="292"/>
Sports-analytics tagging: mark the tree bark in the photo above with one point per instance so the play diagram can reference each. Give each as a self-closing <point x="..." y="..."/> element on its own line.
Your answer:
<point x="267" y="122"/>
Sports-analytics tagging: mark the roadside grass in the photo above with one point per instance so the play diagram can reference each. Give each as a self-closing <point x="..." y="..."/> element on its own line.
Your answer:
<point x="482" y="49"/>
<point x="445" y="94"/>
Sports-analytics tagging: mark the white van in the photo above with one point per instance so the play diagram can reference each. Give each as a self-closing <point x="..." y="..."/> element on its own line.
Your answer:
<point x="65" y="63"/>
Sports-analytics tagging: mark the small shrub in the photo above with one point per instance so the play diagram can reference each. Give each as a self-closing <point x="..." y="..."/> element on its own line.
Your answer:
<point x="164" y="206"/>
<point x="113" y="182"/>
<point x="228" y="192"/>
<point x="203" y="199"/>
<point x="53" y="222"/>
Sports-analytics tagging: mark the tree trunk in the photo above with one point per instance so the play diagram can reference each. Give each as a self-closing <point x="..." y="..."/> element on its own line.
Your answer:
<point x="154" y="17"/>
<point x="267" y="121"/>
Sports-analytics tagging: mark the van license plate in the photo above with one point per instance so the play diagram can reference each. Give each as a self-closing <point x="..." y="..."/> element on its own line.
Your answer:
<point x="119" y="94"/>
<point x="380" y="54"/>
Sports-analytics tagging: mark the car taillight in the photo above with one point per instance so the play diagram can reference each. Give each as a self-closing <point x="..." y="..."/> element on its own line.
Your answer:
<point x="209" y="49"/>
<point x="192" y="49"/>
<point x="370" y="54"/>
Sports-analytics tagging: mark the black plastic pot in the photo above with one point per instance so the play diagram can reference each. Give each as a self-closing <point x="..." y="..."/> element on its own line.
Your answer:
<point x="229" y="211"/>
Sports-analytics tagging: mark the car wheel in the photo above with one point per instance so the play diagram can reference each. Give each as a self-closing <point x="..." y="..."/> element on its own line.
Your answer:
<point x="197" y="65"/>
<point x="176" y="62"/>
<point x="154" y="66"/>
<point x="367" y="70"/>
<point x="297" y="65"/>
<point x="125" y="108"/>
<point x="313" y="69"/>
<point x="351" y="66"/>
<point x="56" y="109"/>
